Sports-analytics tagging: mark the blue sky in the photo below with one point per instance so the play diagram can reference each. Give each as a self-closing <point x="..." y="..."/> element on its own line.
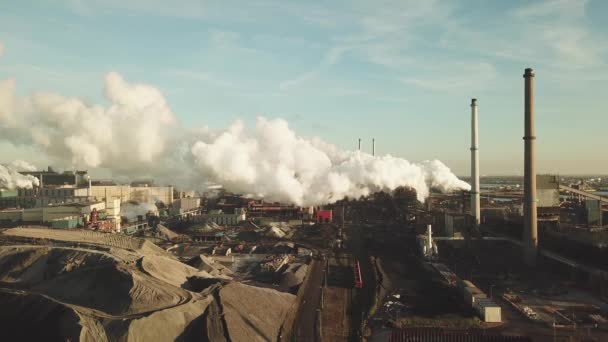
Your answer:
<point x="400" y="71"/>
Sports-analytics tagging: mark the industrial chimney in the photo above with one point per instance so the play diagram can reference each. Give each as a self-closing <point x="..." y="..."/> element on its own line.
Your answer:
<point x="359" y="144"/>
<point x="530" y="223"/>
<point x="475" y="202"/>
<point x="373" y="147"/>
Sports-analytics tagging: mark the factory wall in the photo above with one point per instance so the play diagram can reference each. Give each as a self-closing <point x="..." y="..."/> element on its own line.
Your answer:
<point x="32" y="215"/>
<point x="187" y="203"/>
<point x="13" y="215"/>
<point x="121" y="192"/>
<point x="133" y="193"/>
<point x="152" y="194"/>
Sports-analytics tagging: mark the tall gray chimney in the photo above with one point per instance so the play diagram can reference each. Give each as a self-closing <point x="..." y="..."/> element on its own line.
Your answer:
<point x="373" y="147"/>
<point x="359" y="144"/>
<point x="530" y="237"/>
<point x="475" y="201"/>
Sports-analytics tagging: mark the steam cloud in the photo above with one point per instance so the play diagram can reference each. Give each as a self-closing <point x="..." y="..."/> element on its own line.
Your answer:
<point x="271" y="161"/>
<point x="132" y="210"/>
<point x="11" y="179"/>
<point x="138" y="135"/>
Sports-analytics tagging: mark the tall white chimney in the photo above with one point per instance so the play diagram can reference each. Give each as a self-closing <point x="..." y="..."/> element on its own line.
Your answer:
<point x="429" y="238"/>
<point x="475" y="202"/>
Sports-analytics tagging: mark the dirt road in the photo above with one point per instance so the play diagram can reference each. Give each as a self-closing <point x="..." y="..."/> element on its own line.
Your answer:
<point x="305" y="324"/>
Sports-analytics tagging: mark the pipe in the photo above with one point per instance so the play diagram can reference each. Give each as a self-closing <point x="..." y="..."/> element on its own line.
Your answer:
<point x="373" y="147"/>
<point x="530" y="215"/>
<point x="475" y="200"/>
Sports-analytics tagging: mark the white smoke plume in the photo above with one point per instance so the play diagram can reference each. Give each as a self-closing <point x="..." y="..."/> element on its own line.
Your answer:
<point x="131" y="210"/>
<point x="11" y="179"/>
<point x="128" y="135"/>
<point x="137" y="135"/>
<point x="22" y="165"/>
<point x="273" y="162"/>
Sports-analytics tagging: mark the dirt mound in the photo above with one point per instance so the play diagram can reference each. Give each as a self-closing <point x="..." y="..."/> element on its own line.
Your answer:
<point x="35" y="318"/>
<point x="89" y="237"/>
<point x="175" y="322"/>
<point x="172" y="271"/>
<point x="131" y="291"/>
<point x="31" y="265"/>
<point x="254" y="313"/>
<point x="89" y="279"/>
<point x="210" y="265"/>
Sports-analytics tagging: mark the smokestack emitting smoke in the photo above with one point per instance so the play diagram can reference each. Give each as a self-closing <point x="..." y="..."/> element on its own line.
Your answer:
<point x="530" y="223"/>
<point x="475" y="201"/>
<point x="138" y="135"/>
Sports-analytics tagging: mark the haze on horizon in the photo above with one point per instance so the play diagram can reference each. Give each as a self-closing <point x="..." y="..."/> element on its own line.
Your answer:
<point x="402" y="72"/>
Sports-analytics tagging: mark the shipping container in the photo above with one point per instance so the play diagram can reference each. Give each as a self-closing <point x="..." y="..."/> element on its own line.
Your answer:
<point x="488" y="311"/>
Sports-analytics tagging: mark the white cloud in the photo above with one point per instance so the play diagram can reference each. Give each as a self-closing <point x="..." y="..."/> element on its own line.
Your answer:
<point x="552" y="8"/>
<point x="183" y="9"/>
<point x="455" y="77"/>
<point x="331" y="57"/>
<point x="284" y="85"/>
<point x="200" y="76"/>
<point x="223" y="38"/>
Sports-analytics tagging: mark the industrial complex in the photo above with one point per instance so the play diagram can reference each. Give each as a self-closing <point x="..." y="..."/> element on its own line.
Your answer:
<point x="511" y="259"/>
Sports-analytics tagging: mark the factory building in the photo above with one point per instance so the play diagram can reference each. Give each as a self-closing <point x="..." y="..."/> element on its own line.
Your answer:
<point x="50" y="214"/>
<point x="51" y="177"/>
<point x="51" y="194"/>
<point x="183" y="205"/>
<point x="226" y="219"/>
<point x="8" y="198"/>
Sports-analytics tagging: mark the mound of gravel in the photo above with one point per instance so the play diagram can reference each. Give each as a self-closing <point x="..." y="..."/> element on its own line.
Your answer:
<point x="254" y="313"/>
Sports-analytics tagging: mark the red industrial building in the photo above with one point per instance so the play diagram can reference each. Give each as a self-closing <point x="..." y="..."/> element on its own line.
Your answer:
<point x="324" y="216"/>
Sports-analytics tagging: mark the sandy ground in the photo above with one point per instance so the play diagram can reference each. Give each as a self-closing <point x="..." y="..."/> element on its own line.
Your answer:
<point x="81" y="285"/>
